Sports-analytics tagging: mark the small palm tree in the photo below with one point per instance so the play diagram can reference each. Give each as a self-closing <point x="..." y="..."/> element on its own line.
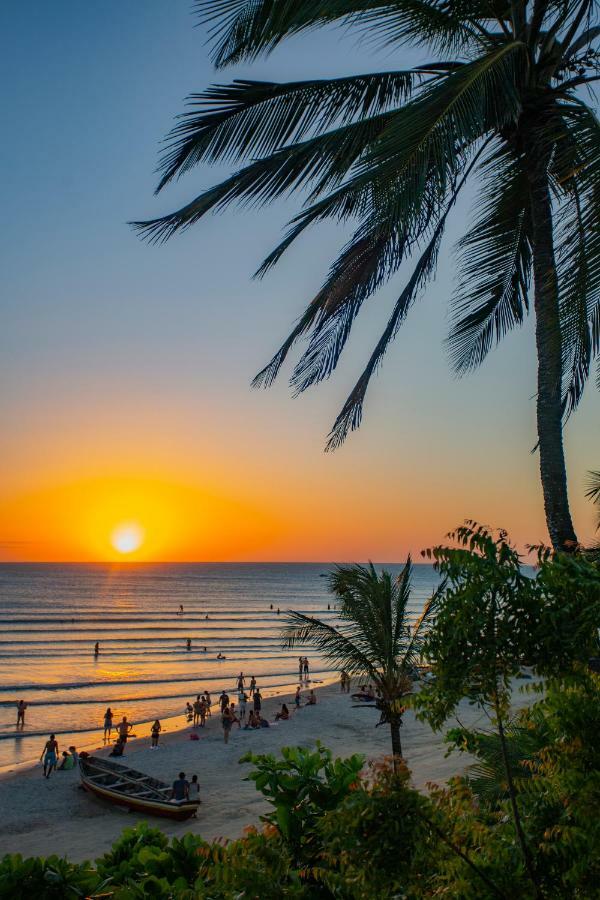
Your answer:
<point x="375" y="639"/>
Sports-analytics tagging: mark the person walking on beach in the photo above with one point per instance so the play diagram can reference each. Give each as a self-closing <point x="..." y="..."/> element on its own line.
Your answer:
<point x="124" y="727"/>
<point x="305" y="666"/>
<point x="228" y="717"/>
<point x="242" y="700"/>
<point x="50" y="755"/>
<point x="344" y="682"/>
<point x="202" y="713"/>
<point x="155" y="731"/>
<point x="297" y="697"/>
<point x="108" y="720"/>
<point x="257" y="700"/>
<point x="223" y="700"/>
<point x="21" y="707"/>
<point x="252" y="684"/>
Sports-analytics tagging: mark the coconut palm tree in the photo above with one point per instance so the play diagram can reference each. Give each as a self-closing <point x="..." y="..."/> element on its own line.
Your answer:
<point x="375" y="639"/>
<point x="501" y="100"/>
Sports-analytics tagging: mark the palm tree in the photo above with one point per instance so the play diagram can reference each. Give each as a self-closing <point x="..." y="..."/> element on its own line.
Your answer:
<point x="375" y="639"/>
<point x="501" y="102"/>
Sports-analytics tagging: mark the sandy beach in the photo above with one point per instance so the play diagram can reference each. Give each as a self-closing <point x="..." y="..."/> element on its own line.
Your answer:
<point x="41" y="816"/>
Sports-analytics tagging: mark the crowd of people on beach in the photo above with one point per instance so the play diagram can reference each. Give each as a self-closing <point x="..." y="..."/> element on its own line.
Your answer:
<point x="247" y="714"/>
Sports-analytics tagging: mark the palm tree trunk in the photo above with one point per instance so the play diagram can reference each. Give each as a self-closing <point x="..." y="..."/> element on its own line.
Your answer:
<point x="396" y="742"/>
<point x="549" y="355"/>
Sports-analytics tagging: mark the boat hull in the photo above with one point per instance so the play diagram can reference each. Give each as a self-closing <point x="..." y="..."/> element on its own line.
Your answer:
<point x="149" y="806"/>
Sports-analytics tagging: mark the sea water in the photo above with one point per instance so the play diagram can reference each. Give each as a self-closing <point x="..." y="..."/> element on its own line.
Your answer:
<point x="51" y="616"/>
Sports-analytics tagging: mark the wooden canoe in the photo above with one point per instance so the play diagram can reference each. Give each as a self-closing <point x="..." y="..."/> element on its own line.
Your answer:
<point x="124" y="786"/>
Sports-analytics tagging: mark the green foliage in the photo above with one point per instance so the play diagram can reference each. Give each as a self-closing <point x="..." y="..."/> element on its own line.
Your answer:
<point x="301" y="786"/>
<point x="51" y="878"/>
<point x="492" y="618"/>
<point x="376" y="841"/>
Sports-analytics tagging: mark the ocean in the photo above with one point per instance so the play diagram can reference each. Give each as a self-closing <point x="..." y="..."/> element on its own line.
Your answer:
<point x="51" y="615"/>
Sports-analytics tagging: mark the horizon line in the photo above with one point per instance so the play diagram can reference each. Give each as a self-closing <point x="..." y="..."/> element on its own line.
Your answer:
<point x="197" y="562"/>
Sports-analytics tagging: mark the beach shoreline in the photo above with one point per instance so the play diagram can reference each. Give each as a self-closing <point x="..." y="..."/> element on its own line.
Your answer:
<point x="171" y="725"/>
<point x="43" y="817"/>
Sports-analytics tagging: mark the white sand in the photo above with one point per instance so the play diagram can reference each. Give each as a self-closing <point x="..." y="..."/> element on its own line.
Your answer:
<point x="41" y="817"/>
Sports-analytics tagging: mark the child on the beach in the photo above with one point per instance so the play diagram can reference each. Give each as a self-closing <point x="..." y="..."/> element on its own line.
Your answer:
<point x="155" y="731"/>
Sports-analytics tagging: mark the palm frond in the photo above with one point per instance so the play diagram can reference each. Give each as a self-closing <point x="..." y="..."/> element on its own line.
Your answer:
<point x="244" y="29"/>
<point x="350" y="416"/>
<point x="495" y="264"/>
<point x="320" y="162"/>
<point x="256" y="118"/>
<point x="578" y="165"/>
<point x="432" y="132"/>
<point x="334" y="646"/>
<point x="593" y="492"/>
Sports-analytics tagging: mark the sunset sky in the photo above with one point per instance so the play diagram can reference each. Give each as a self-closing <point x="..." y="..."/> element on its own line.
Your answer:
<point x="125" y="397"/>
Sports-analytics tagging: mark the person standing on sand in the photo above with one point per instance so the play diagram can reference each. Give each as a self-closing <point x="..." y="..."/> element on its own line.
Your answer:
<point x="305" y="667"/>
<point x="197" y="710"/>
<point x="108" y="720"/>
<point x="300" y="667"/>
<point x="297" y="697"/>
<point x="252" y="684"/>
<point x="50" y="755"/>
<point x="202" y="713"/>
<point x="21" y="707"/>
<point x="257" y="700"/>
<point x="124" y="728"/>
<point x="223" y="700"/>
<point x="228" y="717"/>
<point x="241" y="682"/>
<point x="242" y="700"/>
<point x="155" y="731"/>
<point x="208" y="702"/>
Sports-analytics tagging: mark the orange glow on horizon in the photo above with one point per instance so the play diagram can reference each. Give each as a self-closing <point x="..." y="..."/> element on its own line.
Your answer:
<point x="132" y="520"/>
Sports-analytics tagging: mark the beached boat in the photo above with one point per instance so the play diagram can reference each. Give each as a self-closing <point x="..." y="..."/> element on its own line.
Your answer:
<point x="124" y="786"/>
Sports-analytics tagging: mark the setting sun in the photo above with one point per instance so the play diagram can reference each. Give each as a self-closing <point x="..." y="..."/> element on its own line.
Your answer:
<point x="127" y="538"/>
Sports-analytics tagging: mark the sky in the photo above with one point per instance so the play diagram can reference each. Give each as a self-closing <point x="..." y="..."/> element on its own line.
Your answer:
<point x="126" y="368"/>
